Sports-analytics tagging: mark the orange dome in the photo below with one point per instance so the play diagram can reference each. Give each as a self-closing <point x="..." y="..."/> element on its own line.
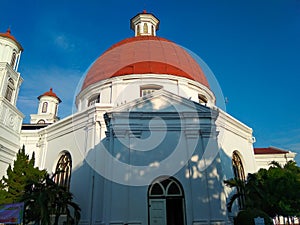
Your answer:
<point x="144" y="55"/>
<point x="51" y="94"/>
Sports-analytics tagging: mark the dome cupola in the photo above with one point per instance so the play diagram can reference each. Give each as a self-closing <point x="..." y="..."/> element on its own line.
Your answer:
<point x="47" y="109"/>
<point x="10" y="49"/>
<point x="149" y="63"/>
<point x="144" y="24"/>
<point x="10" y="78"/>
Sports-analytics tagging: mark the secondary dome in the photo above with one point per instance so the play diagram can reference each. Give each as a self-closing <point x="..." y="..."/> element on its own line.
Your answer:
<point x="144" y="54"/>
<point x="50" y="93"/>
<point x="9" y="36"/>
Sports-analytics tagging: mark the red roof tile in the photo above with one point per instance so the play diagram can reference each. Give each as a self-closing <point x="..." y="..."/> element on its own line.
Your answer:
<point x="51" y="94"/>
<point x="142" y="55"/>
<point x="8" y="35"/>
<point x="269" y="150"/>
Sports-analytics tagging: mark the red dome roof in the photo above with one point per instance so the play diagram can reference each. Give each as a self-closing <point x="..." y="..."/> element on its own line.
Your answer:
<point x="144" y="55"/>
<point x="8" y="35"/>
<point x="51" y="94"/>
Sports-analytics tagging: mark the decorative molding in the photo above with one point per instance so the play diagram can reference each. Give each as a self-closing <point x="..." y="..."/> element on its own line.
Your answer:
<point x="84" y="222"/>
<point x="116" y="223"/>
<point x="200" y="222"/>
<point x="192" y="133"/>
<point x="217" y="222"/>
<point x="99" y="222"/>
<point x="7" y="151"/>
<point x="11" y="120"/>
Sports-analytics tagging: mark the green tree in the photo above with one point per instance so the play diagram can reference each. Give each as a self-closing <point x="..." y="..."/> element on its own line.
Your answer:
<point x="246" y="217"/>
<point x="23" y="173"/>
<point x="45" y="201"/>
<point x="274" y="191"/>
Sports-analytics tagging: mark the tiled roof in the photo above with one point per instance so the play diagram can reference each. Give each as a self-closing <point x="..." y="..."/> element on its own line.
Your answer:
<point x="51" y="94"/>
<point x="143" y="55"/>
<point x="269" y="150"/>
<point x="8" y="35"/>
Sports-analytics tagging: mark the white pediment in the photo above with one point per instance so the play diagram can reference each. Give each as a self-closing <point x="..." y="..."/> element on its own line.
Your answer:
<point x="161" y="101"/>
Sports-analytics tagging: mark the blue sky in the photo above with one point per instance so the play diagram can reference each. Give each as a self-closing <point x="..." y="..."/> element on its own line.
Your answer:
<point x="252" y="47"/>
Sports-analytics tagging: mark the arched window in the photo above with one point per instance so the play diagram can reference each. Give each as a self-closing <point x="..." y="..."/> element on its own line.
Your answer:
<point x="55" y="111"/>
<point x="145" y="28"/>
<point x="152" y="31"/>
<point x="13" y="59"/>
<point x="41" y="122"/>
<point x="138" y="30"/>
<point x="10" y="89"/>
<point x="44" y="107"/>
<point x="202" y="99"/>
<point x="166" y="202"/>
<point x="237" y="165"/>
<point x="239" y="173"/>
<point x="63" y="170"/>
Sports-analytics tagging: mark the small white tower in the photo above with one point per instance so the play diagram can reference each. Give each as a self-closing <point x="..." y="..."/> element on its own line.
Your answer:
<point x="144" y="24"/>
<point x="47" y="110"/>
<point x="10" y="79"/>
<point x="10" y="117"/>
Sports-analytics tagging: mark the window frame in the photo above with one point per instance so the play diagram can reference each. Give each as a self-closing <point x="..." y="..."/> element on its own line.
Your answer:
<point x="202" y="99"/>
<point x="145" y="28"/>
<point x="94" y="99"/>
<point x="9" y="89"/>
<point x="150" y="87"/>
<point x="13" y="59"/>
<point x="44" y="107"/>
<point x="239" y="173"/>
<point x="63" y="170"/>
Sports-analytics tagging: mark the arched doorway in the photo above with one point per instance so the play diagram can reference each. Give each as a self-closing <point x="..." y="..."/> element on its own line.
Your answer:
<point x="166" y="202"/>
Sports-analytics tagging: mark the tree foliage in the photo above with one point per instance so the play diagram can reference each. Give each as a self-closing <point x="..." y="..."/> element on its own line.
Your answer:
<point x="275" y="191"/>
<point x="246" y="217"/>
<point x="45" y="201"/>
<point x="22" y="174"/>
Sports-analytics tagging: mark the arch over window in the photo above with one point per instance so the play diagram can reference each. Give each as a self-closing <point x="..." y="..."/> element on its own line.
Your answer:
<point x="165" y="188"/>
<point x="202" y="99"/>
<point x="41" y="122"/>
<point x="239" y="173"/>
<point x="166" y="202"/>
<point x="44" y="107"/>
<point x="63" y="170"/>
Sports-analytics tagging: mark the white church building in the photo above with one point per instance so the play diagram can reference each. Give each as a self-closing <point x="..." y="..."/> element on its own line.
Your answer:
<point x="148" y="144"/>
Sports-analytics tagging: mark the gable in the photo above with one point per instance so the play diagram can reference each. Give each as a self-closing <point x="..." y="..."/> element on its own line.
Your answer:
<point x="162" y="101"/>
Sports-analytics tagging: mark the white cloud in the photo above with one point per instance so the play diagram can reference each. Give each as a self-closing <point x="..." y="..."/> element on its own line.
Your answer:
<point x="63" y="42"/>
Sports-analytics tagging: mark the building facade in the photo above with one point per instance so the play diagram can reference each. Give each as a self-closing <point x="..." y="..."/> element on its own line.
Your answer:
<point x="10" y="117"/>
<point x="147" y="145"/>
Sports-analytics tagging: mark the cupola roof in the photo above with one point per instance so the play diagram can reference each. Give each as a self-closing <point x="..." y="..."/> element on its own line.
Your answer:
<point x="51" y="94"/>
<point x="8" y="35"/>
